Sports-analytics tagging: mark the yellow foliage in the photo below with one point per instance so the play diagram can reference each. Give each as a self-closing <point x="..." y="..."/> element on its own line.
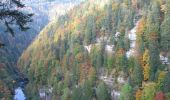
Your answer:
<point x="146" y="65"/>
<point x="146" y="72"/>
<point x="141" y="26"/>
<point x="161" y="77"/>
<point x="121" y="52"/>
<point x="114" y="6"/>
<point x="138" y="94"/>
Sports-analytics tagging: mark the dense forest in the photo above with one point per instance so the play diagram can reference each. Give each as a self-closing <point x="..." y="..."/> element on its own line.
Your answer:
<point x="17" y="42"/>
<point x="101" y="50"/>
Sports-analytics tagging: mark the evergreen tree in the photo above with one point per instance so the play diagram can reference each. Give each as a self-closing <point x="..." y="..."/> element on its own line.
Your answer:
<point x="102" y="92"/>
<point x="126" y="92"/>
<point x="165" y="29"/>
<point x="166" y="83"/>
<point x="76" y="94"/>
<point x="66" y="94"/>
<point x="137" y="75"/>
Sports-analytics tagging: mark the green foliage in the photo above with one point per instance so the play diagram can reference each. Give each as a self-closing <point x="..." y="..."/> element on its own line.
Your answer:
<point x="165" y="30"/>
<point x="58" y="57"/>
<point x="97" y="56"/>
<point x="137" y="75"/>
<point x="77" y="94"/>
<point x="66" y="94"/>
<point x="126" y="92"/>
<point x="166" y="83"/>
<point x="102" y="92"/>
<point x="149" y="91"/>
<point x="87" y="91"/>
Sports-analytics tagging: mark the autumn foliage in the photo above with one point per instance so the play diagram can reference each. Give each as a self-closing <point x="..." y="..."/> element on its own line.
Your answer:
<point x="138" y="94"/>
<point x="159" y="96"/>
<point x="146" y="65"/>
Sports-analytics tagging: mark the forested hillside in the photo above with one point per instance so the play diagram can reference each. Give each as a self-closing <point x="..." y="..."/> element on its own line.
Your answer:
<point x="15" y="45"/>
<point x="102" y="50"/>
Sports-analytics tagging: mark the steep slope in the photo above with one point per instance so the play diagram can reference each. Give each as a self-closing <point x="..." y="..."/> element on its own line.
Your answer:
<point x="83" y="55"/>
<point x="14" y="46"/>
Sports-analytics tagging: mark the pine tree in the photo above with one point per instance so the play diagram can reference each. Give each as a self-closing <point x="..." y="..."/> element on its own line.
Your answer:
<point x="166" y="83"/>
<point x="102" y="92"/>
<point x="152" y="37"/>
<point x="165" y="29"/>
<point x="137" y="74"/>
<point x="126" y="92"/>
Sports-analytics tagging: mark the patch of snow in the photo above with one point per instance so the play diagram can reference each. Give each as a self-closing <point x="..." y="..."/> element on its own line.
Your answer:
<point x="19" y="94"/>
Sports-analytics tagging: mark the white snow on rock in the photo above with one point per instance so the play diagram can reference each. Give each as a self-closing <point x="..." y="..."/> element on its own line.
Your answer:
<point x="19" y="94"/>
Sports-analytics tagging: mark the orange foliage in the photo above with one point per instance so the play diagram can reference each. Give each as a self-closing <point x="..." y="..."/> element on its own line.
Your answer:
<point x="84" y="70"/>
<point x="141" y="26"/>
<point x="138" y="94"/>
<point x="121" y="52"/>
<point x="64" y="62"/>
<point x="79" y="57"/>
<point x="154" y="36"/>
